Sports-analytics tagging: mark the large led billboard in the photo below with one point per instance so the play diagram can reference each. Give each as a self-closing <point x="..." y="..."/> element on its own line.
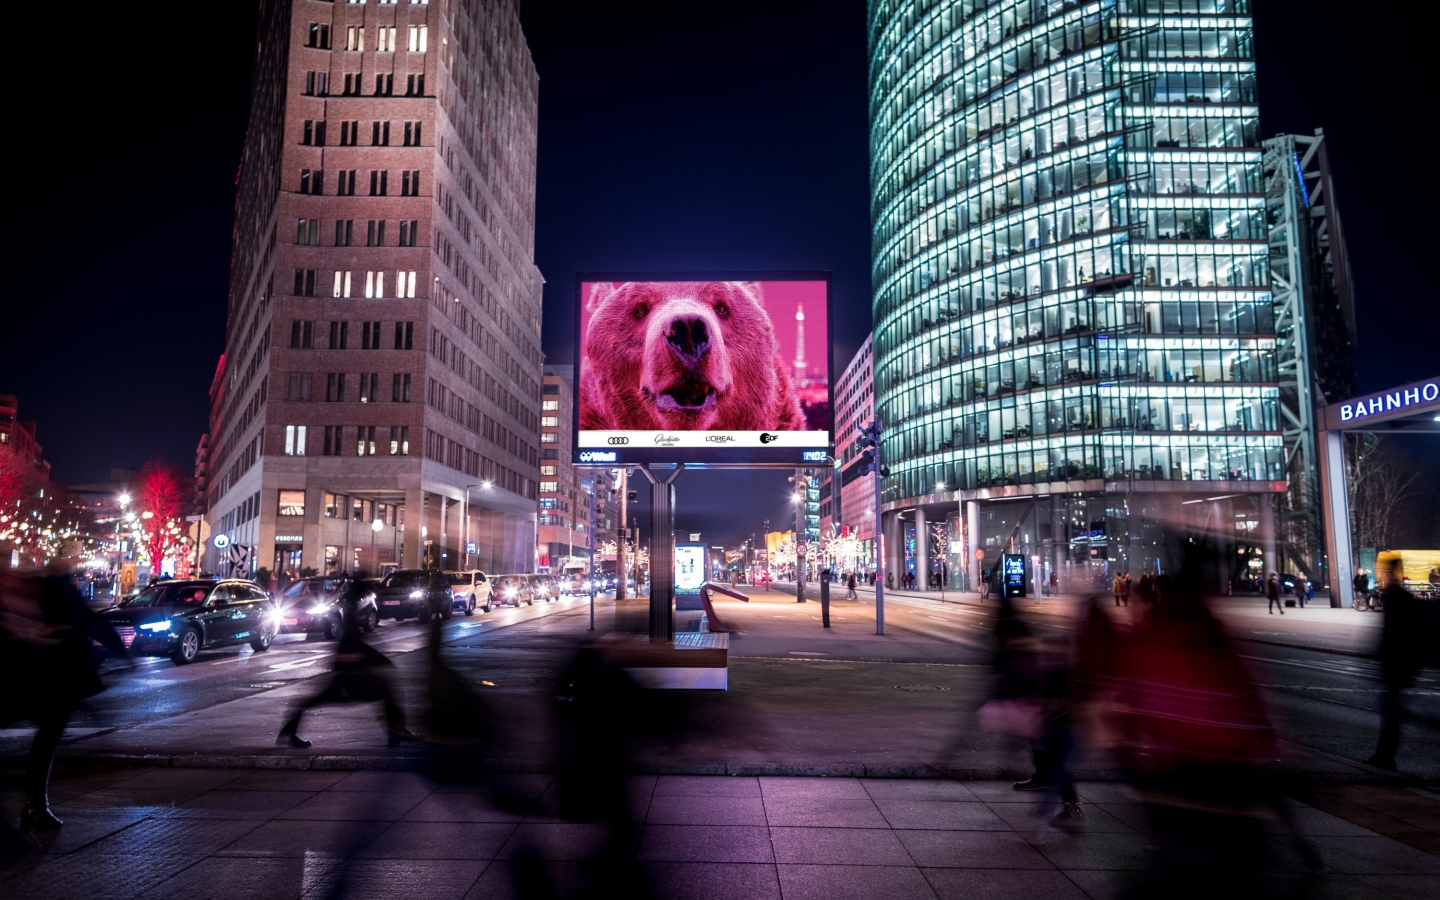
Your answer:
<point x="728" y="369"/>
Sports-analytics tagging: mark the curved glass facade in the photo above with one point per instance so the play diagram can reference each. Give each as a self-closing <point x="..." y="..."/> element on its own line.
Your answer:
<point x="1069" y="250"/>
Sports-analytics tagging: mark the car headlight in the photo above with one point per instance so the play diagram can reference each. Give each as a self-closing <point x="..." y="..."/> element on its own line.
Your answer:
<point x="417" y="595"/>
<point x="510" y="593"/>
<point x="318" y="609"/>
<point x="157" y="626"/>
<point x="460" y="595"/>
<point x="273" y="616"/>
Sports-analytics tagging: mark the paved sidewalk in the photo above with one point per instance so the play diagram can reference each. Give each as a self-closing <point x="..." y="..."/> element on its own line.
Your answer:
<point x="235" y="834"/>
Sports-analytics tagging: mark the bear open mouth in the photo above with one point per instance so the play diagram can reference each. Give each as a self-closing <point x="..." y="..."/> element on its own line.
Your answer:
<point x="687" y="397"/>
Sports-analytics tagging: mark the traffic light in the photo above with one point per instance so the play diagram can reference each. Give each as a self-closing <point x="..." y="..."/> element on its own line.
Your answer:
<point x="870" y="458"/>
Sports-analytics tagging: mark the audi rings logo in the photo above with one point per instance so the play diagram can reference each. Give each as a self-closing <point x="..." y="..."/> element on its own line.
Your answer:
<point x="617" y="441"/>
<point x="767" y="438"/>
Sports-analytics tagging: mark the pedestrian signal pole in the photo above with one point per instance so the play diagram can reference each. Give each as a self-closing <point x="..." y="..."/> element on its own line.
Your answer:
<point x="872" y="463"/>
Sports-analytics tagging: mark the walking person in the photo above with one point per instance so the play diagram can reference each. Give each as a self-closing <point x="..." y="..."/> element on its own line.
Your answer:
<point x="850" y="587"/>
<point x="1272" y="595"/>
<point x="1118" y="588"/>
<point x="1402" y="647"/>
<point x="47" y="669"/>
<point x="361" y="673"/>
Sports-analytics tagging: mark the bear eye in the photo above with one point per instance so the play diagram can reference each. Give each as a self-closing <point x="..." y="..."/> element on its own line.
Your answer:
<point x="640" y="311"/>
<point x="721" y="309"/>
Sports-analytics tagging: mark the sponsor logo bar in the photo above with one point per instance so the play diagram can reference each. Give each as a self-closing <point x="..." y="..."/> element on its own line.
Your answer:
<point x="638" y="439"/>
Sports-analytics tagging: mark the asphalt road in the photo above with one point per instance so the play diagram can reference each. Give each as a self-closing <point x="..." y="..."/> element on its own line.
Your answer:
<point x="796" y="690"/>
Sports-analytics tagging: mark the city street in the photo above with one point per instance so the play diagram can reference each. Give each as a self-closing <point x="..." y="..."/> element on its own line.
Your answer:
<point x="801" y="699"/>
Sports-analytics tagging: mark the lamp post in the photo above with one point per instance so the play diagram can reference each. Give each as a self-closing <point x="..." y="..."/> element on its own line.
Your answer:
<point x="466" y="512"/>
<point x="124" y="501"/>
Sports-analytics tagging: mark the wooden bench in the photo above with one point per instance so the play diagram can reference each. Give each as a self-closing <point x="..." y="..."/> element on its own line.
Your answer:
<point x="693" y="661"/>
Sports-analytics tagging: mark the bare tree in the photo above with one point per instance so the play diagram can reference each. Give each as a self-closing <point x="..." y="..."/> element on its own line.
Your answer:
<point x="1380" y="483"/>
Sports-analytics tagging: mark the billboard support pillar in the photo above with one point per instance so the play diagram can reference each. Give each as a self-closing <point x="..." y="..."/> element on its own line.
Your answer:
<point x="662" y="563"/>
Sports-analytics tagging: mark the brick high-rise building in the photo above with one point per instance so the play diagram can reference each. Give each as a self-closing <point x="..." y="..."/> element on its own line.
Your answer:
<point x="378" y="402"/>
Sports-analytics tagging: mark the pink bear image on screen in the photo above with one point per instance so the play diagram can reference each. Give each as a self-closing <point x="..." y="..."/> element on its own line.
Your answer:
<point x="683" y="356"/>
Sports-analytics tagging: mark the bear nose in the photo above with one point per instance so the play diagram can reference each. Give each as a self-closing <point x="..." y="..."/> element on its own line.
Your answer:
<point x="688" y="338"/>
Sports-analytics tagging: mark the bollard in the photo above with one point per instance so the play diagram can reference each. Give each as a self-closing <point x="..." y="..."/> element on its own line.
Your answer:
<point x="825" y="599"/>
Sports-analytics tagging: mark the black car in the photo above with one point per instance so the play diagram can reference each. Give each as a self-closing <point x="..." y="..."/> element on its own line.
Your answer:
<point x="178" y="619"/>
<point x="312" y="605"/>
<point x="409" y="593"/>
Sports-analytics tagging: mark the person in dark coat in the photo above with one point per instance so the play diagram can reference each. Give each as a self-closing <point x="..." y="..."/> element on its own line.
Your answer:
<point x="1402" y="647"/>
<point x="1272" y="595"/>
<point x="45" y="644"/>
<point x="361" y="673"/>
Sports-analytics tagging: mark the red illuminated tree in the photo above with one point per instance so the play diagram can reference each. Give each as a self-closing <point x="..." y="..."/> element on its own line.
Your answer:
<point x="163" y="496"/>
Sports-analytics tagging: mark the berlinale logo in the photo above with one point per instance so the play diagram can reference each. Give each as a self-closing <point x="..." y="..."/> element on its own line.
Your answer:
<point x="766" y="438"/>
<point x="617" y="441"/>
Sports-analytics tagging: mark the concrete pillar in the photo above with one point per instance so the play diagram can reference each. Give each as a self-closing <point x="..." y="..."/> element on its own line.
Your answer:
<point x="977" y="567"/>
<point x="414" y="520"/>
<point x="1223" y="526"/>
<point x="1267" y="533"/>
<point x="1335" y="500"/>
<point x="922" y="549"/>
<point x="894" y="547"/>
<point x="1059" y="538"/>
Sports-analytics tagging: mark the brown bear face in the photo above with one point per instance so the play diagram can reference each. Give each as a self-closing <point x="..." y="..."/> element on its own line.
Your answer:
<point x="692" y="356"/>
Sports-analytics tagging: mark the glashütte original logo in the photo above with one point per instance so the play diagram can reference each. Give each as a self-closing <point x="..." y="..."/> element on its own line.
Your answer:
<point x="666" y="440"/>
<point x="767" y="438"/>
<point x="720" y="438"/>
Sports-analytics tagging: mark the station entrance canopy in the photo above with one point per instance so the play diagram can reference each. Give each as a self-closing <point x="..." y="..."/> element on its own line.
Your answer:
<point x="1410" y="409"/>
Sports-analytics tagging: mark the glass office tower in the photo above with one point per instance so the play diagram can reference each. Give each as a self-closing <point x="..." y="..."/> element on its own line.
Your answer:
<point x="1074" y="333"/>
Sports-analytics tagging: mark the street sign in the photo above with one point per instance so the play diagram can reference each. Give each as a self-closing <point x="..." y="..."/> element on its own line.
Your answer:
<point x="801" y="549"/>
<point x="980" y="553"/>
<point x="470" y="547"/>
<point x="222" y="541"/>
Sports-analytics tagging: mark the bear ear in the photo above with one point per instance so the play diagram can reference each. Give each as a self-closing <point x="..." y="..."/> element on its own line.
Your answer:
<point x="600" y="291"/>
<point x="752" y="290"/>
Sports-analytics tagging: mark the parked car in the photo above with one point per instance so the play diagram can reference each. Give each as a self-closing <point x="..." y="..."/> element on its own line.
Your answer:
<point x="312" y="606"/>
<point x="514" y="590"/>
<point x="178" y="619"/>
<point x="412" y="593"/>
<point x="470" y="589"/>
<point x="544" y="587"/>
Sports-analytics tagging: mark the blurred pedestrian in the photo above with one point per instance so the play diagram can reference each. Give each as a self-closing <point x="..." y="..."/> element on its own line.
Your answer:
<point x="850" y="587"/>
<point x="1361" y="584"/>
<point x="361" y="673"/>
<point x="47" y="667"/>
<point x="1402" y="648"/>
<point x="1272" y="595"/>
<point x="1118" y="588"/>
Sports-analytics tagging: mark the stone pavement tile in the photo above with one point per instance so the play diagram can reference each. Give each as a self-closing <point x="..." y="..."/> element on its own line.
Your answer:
<point x="1106" y="792"/>
<point x="1037" y="818"/>
<point x="965" y="816"/>
<point x="457" y="808"/>
<point x="158" y="836"/>
<point x="1375" y="856"/>
<point x="131" y="798"/>
<point x="165" y="779"/>
<point x="290" y="838"/>
<point x="706" y="843"/>
<point x="498" y="881"/>
<point x="1106" y="884"/>
<point x="1001" y="884"/>
<point x="241" y="804"/>
<point x="713" y="881"/>
<point x="355" y="805"/>
<point x="390" y="782"/>
<point x="221" y="878"/>
<point x="972" y="850"/>
<point x="1428" y="842"/>
<point x="998" y="792"/>
<point x="550" y="840"/>
<point x="706" y="811"/>
<point x="395" y="879"/>
<point x="707" y="786"/>
<point x="836" y="788"/>
<point x="1429" y="823"/>
<point x="85" y="877"/>
<point x="1406" y="887"/>
<point x="80" y="829"/>
<point x="523" y="784"/>
<point x="857" y="882"/>
<point x="84" y="780"/>
<point x="916" y="789"/>
<point x="1132" y="814"/>
<point x="823" y="812"/>
<point x="1312" y="886"/>
<point x="1315" y="823"/>
<point x="273" y="780"/>
<point x="1092" y="851"/>
<point x="440" y="840"/>
<point x="839" y="846"/>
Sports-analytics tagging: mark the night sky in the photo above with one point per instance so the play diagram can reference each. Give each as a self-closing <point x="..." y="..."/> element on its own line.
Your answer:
<point x="672" y="136"/>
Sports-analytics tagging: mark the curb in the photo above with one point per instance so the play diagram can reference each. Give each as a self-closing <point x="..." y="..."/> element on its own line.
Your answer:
<point x="1358" y="654"/>
<point x="1363" y="775"/>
